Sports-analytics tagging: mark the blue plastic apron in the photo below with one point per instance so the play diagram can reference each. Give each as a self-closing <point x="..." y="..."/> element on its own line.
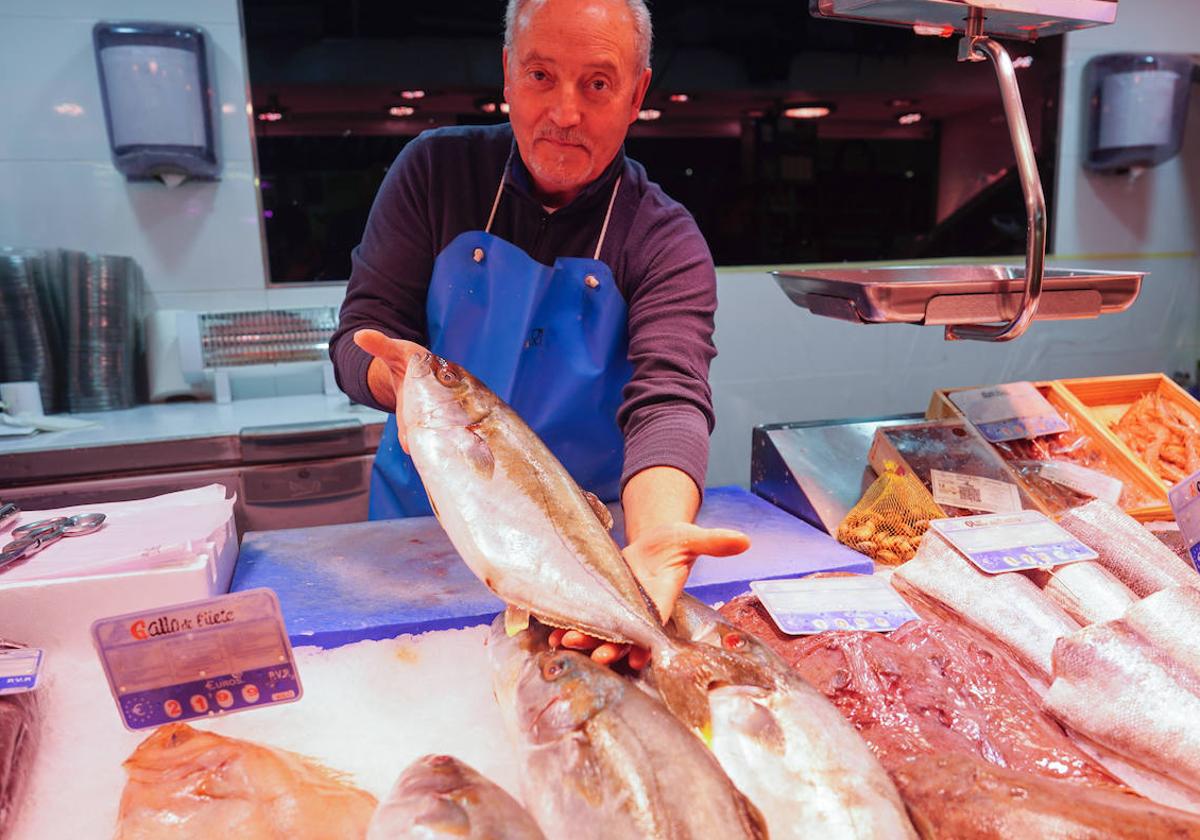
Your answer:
<point x="551" y="341"/>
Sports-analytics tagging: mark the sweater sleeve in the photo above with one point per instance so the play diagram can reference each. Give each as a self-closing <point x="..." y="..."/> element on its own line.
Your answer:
<point x="666" y="413"/>
<point x="390" y="269"/>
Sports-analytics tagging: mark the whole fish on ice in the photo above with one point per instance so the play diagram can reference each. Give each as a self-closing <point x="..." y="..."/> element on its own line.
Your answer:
<point x="438" y="797"/>
<point x="789" y="750"/>
<point x="188" y="784"/>
<point x="601" y="758"/>
<point x="526" y="529"/>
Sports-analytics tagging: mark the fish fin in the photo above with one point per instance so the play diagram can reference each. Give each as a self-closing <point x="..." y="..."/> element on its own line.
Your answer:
<point x="516" y="619"/>
<point x="683" y="672"/>
<point x="433" y="506"/>
<point x="479" y="455"/>
<point x="756" y="823"/>
<point x="600" y="509"/>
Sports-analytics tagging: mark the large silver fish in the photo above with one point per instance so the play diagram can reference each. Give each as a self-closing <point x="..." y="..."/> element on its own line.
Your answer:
<point x="526" y="529"/>
<point x="1087" y="591"/>
<point x="1008" y="608"/>
<point x="438" y="797"/>
<point x="789" y="750"/>
<point x="603" y="759"/>
<point x="1123" y="692"/>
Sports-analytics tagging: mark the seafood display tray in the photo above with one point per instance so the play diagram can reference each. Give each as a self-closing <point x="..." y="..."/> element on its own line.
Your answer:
<point x="1129" y="468"/>
<point x="949" y="295"/>
<point x="1025" y="20"/>
<point x="341" y="584"/>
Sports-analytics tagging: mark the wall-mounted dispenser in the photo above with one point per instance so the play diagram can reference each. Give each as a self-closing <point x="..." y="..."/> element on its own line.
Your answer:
<point x="157" y="87"/>
<point x="1137" y="107"/>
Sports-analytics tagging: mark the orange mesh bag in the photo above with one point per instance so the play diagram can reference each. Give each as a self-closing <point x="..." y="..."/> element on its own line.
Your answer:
<point x="889" y="520"/>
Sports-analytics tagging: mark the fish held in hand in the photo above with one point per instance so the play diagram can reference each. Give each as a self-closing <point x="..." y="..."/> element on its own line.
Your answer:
<point x="956" y="797"/>
<point x="1007" y="608"/>
<point x="438" y="797"/>
<point x="188" y="783"/>
<point x="535" y="539"/>
<point x="789" y="750"/>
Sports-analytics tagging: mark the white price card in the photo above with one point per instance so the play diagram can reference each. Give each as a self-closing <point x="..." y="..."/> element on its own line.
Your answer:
<point x="1083" y="480"/>
<point x="803" y="606"/>
<point x="217" y="656"/>
<point x="1185" y="501"/>
<point x="974" y="492"/>
<point x="1009" y="412"/>
<point x="20" y="669"/>
<point x="1000" y="542"/>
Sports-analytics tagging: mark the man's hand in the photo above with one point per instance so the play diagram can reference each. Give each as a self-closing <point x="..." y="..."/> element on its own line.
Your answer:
<point x="661" y="558"/>
<point x="385" y="376"/>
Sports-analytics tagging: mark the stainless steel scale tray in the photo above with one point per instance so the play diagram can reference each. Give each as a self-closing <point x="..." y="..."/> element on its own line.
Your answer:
<point x="955" y="294"/>
<point x="1023" y="19"/>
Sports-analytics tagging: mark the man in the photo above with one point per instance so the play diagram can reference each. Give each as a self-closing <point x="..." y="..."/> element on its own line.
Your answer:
<point x="544" y="261"/>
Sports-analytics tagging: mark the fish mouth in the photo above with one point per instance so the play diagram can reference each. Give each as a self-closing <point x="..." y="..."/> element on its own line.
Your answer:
<point x="420" y="364"/>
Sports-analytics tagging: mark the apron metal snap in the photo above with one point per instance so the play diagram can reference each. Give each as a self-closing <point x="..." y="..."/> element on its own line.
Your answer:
<point x="477" y="255"/>
<point x="591" y="281"/>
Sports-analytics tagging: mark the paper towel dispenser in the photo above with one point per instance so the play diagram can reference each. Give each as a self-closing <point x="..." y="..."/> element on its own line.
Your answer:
<point x="1137" y="107"/>
<point x="156" y="85"/>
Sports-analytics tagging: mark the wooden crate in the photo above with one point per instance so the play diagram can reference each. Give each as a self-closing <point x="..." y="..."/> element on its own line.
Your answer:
<point x="1126" y="465"/>
<point x="1106" y="399"/>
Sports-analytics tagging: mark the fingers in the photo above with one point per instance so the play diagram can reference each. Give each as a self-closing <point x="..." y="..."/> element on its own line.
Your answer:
<point x="575" y="640"/>
<point x="395" y="352"/>
<point x="604" y="653"/>
<point x="715" y="542"/>
<point x="607" y="653"/>
<point x="638" y="658"/>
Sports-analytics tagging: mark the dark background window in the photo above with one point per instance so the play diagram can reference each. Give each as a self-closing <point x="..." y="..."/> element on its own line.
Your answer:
<point x="332" y="82"/>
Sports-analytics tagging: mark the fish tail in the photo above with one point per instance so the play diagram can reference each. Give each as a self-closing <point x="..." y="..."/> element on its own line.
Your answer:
<point x="682" y="673"/>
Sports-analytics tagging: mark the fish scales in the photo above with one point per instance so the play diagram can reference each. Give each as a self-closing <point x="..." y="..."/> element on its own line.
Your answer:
<point x="1008" y="608"/>
<point x="1086" y="591"/>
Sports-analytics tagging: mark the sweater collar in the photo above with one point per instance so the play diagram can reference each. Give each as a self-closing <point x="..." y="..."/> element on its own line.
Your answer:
<point x="517" y="177"/>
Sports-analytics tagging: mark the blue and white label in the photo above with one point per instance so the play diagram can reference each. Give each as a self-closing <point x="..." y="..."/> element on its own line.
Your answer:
<point x="1014" y="411"/>
<point x="803" y="606"/>
<point x="217" y="656"/>
<point x="1012" y="542"/>
<point x="20" y="669"/>
<point x="1185" y="502"/>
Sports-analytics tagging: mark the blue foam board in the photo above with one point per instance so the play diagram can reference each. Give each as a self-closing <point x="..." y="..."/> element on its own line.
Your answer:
<point x="340" y="584"/>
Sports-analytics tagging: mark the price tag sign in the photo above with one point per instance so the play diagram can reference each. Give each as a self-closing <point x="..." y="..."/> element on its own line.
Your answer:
<point x="1089" y="482"/>
<point x="803" y="606"/>
<point x="220" y="655"/>
<point x="998" y="542"/>
<point x="20" y="669"/>
<point x="1009" y="412"/>
<point x="974" y="492"/>
<point x="1185" y="501"/>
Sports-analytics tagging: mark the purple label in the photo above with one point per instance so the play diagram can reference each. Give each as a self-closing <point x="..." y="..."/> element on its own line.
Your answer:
<point x="1196" y="556"/>
<point x="881" y="621"/>
<point x="1030" y="557"/>
<point x="205" y="698"/>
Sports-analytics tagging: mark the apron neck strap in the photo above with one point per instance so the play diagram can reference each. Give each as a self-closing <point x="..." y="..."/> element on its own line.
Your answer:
<point x="603" y="229"/>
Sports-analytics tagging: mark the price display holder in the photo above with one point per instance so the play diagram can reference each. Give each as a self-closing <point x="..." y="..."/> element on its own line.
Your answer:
<point x="999" y="542"/>
<point x="1083" y="480"/>
<point x="217" y="656"/>
<point x="1185" y="501"/>
<point x="974" y="492"/>
<point x="803" y="606"/>
<point x="1009" y="412"/>
<point x="20" y="669"/>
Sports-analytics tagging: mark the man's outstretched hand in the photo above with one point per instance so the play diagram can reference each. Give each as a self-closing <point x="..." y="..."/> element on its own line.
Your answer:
<point x="385" y="376"/>
<point x="661" y="559"/>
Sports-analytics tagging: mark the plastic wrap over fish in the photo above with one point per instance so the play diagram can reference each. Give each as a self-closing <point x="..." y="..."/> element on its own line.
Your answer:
<point x="1087" y="591"/>
<point x="20" y="721"/>
<point x="1137" y="557"/>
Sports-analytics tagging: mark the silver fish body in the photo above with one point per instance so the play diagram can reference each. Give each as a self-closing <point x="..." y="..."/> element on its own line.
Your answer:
<point x="603" y="759"/>
<point x="1007" y="608"/>
<point x="526" y="529"/>
<point x="790" y="750"/>
<point x="438" y="797"/>
<point x="1086" y="591"/>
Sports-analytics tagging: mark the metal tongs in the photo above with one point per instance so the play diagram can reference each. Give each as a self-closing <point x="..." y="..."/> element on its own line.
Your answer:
<point x="29" y="539"/>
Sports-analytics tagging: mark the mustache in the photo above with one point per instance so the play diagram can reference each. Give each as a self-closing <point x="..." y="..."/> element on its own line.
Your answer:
<point x="563" y="135"/>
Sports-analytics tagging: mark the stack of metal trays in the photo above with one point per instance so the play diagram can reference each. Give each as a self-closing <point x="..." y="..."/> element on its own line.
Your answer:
<point x="29" y="346"/>
<point x="101" y="294"/>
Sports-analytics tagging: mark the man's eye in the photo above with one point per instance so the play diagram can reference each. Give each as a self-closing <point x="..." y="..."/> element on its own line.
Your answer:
<point x="538" y="75"/>
<point x="599" y="84"/>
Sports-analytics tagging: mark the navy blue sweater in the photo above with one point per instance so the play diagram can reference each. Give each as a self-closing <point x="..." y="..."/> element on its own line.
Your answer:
<point x="443" y="183"/>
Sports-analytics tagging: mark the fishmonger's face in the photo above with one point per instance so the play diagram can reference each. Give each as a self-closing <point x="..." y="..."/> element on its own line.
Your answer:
<point x="573" y="85"/>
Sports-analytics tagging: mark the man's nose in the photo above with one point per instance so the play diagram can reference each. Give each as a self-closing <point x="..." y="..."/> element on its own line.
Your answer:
<point x="565" y="112"/>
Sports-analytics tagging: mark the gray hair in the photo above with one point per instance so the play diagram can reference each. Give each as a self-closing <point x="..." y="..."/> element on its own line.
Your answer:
<point x="642" y="28"/>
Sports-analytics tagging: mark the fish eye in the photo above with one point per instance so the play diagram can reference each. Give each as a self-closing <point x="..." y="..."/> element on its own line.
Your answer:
<point x="734" y="641"/>
<point x="553" y="669"/>
<point x="447" y="375"/>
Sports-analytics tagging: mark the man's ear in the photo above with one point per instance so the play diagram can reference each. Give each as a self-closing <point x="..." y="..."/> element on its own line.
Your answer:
<point x="504" y="68"/>
<point x="639" y="94"/>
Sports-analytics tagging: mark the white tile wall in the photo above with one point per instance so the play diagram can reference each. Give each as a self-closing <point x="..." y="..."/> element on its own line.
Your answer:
<point x="56" y="174"/>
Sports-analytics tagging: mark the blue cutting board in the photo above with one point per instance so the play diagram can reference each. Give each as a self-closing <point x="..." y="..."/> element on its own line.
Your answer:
<point x="339" y="584"/>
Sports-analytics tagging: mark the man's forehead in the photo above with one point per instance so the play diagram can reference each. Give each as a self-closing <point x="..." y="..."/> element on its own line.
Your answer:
<point x="605" y="27"/>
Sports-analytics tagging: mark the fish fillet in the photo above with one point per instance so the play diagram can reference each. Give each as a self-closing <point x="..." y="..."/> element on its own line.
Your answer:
<point x="1007" y="608"/>
<point x="1087" y="591"/>
<point x="1128" y="550"/>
